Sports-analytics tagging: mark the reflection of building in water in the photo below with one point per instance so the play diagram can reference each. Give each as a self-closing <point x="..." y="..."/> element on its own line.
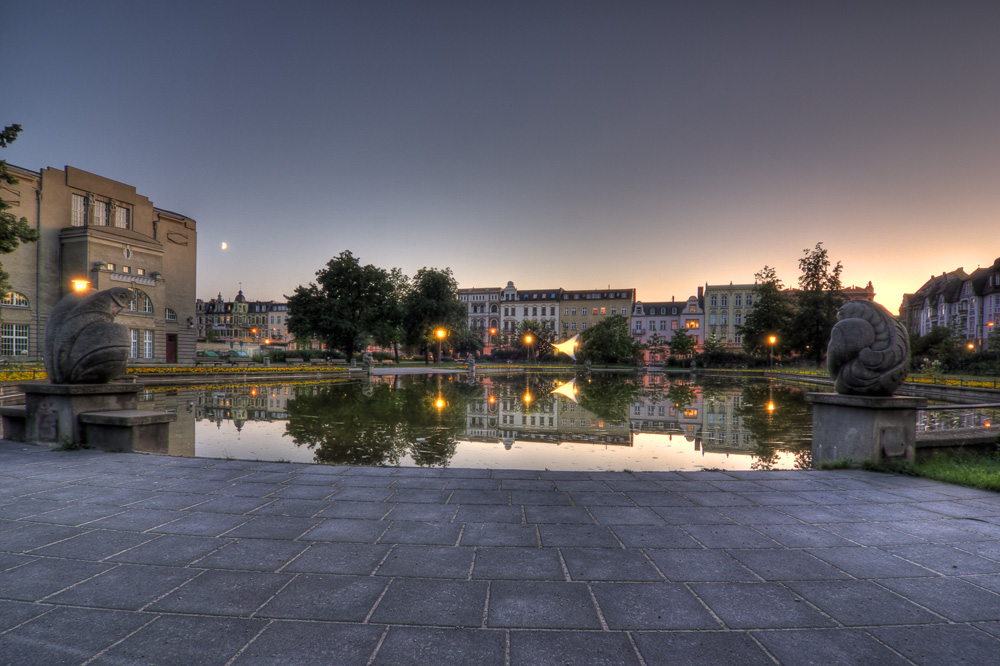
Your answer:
<point x="243" y="403"/>
<point x="654" y="412"/>
<point x="541" y="418"/>
<point x="950" y="419"/>
<point x="723" y="429"/>
<point x="181" y="432"/>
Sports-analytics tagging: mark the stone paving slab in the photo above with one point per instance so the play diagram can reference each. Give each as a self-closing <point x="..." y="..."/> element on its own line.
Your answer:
<point x="109" y="558"/>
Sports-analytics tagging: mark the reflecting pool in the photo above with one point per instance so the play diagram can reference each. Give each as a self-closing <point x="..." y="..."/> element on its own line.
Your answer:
<point x="605" y="422"/>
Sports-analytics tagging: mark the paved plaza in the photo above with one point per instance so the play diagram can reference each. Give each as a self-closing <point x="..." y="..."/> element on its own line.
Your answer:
<point x="112" y="559"/>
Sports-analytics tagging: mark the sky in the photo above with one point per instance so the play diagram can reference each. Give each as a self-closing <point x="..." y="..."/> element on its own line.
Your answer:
<point x="649" y="145"/>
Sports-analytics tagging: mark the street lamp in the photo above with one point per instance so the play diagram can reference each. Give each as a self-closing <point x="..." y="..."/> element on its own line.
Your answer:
<point x="439" y="334"/>
<point x="771" y="340"/>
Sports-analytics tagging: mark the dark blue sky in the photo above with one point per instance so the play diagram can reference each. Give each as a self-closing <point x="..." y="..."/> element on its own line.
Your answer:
<point x="653" y="145"/>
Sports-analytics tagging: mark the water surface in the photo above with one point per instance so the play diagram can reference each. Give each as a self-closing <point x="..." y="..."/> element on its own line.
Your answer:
<point x="557" y="422"/>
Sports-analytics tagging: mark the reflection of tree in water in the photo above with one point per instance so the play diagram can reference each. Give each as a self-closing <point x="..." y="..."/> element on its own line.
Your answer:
<point x="608" y="396"/>
<point x="378" y="424"/>
<point x="777" y="430"/>
<point x="681" y="395"/>
<point x="538" y="387"/>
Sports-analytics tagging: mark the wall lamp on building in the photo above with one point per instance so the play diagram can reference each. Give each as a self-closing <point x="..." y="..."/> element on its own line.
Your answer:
<point x="80" y="285"/>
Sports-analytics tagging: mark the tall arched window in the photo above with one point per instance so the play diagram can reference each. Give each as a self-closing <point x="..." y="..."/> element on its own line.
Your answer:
<point x="140" y="303"/>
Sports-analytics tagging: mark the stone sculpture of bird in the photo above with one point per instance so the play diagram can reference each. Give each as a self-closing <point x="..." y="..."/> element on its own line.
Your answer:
<point x="869" y="351"/>
<point x="83" y="344"/>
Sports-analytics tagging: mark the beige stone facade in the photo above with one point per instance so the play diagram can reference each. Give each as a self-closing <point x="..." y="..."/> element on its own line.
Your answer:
<point x="726" y="308"/>
<point x="580" y="310"/>
<point x="102" y="231"/>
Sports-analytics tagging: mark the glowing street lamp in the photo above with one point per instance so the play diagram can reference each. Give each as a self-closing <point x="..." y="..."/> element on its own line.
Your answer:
<point x="528" y="339"/>
<point x="440" y="335"/>
<point x="80" y="285"/>
<point x="771" y="339"/>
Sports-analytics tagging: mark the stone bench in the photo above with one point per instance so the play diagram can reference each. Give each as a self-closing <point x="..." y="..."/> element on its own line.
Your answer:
<point x="127" y="430"/>
<point x="15" y="422"/>
<point x="294" y="361"/>
<point x="323" y="361"/>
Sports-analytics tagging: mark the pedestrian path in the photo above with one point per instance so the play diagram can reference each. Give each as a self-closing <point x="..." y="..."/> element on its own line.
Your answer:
<point x="113" y="559"/>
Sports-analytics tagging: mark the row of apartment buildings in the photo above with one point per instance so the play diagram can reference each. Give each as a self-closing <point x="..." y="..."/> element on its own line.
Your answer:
<point x="716" y="310"/>
<point x="241" y="321"/>
<point x="967" y="303"/>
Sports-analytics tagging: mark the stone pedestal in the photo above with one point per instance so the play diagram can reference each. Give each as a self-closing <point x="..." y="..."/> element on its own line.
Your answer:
<point x="52" y="410"/>
<point x="859" y="428"/>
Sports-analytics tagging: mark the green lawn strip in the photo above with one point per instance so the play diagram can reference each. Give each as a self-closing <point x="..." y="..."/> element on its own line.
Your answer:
<point x="963" y="469"/>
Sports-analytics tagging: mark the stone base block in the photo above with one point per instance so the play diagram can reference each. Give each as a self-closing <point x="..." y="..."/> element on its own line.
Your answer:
<point x="52" y="409"/>
<point x="858" y="428"/>
<point x="127" y="430"/>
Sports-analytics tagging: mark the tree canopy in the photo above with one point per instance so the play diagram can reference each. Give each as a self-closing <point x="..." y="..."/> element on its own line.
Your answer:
<point x="347" y="303"/>
<point x="682" y="344"/>
<point x="770" y="314"/>
<point x="430" y="303"/>
<point x="13" y="230"/>
<point x="817" y="302"/>
<point x="609" y="341"/>
<point x="541" y="339"/>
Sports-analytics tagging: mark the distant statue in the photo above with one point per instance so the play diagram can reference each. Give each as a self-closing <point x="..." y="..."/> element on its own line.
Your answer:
<point x="869" y="351"/>
<point x="82" y="344"/>
<point x="366" y="358"/>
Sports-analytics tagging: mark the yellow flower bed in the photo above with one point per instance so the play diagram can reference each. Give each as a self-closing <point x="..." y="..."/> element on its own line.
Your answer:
<point x="22" y="375"/>
<point x="214" y="370"/>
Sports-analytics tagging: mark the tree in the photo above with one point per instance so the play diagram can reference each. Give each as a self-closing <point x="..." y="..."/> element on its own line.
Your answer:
<point x="541" y="339"/>
<point x="817" y="302"/>
<point x="13" y="230"/>
<point x="609" y="341"/>
<point x="431" y="303"/>
<point x="682" y="344"/>
<point x="466" y="341"/>
<point x="993" y="341"/>
<point x="942" y="344"/>
<point x="656" y="345"/>
<point x="770" y="314"/>
<point x="348" y="303"/>
<point x="389" y="331"/>
<point x="713" y="350"/>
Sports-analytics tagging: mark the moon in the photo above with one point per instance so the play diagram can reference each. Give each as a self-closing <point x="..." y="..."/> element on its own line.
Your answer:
<point x="224" y="245"/>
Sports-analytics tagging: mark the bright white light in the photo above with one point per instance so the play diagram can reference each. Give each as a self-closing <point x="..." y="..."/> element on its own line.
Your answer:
<point x="568" y="389"/>
<point x="225" y="245"/>
<point x="568" y="347"/>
